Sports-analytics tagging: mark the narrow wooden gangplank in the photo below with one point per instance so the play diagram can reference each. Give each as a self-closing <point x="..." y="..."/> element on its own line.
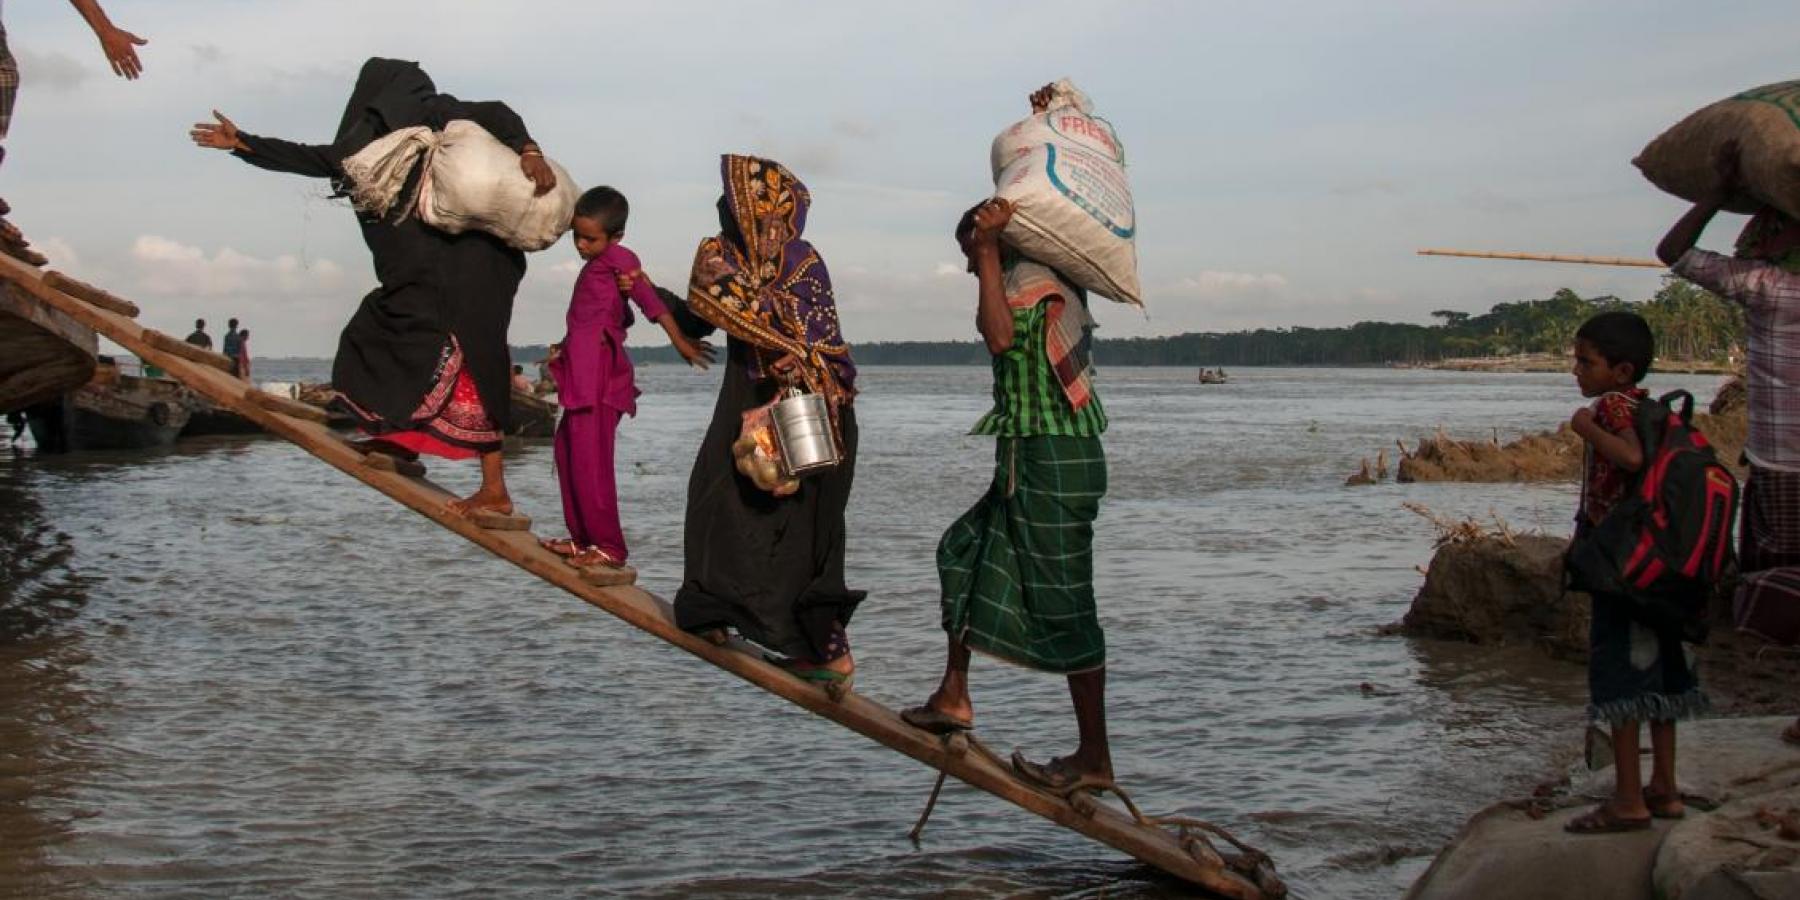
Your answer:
<point x="1548" y="257"/>
<point x="1153" y="845"/>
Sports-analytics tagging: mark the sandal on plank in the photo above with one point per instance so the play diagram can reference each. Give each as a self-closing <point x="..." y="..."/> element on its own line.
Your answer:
<point x="607" y="576"/>
<point x="490" y="518"/>
<point x="836" y="684"/>
<point x="592" y="557"/>
<point x="1659" y="805"/>
<point x="1057" y="776"/>
<point x="927" y="718"/>
<point x="1602" y="820"/>
<point x="560" y="546"/>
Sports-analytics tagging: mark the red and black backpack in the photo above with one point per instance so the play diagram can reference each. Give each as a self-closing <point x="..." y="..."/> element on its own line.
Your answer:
<point x="1669" y="541"/>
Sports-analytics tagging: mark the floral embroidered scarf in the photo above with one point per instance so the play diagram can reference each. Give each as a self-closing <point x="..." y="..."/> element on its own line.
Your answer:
<point x="765" y="286"/>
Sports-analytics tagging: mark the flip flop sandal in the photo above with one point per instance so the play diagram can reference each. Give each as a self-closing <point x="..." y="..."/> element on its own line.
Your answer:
<point x="1057" y="779"/>
<point x="926" y="718"/>
<point x="836" y="684"/>
<point x="591" y="557"/>
<point x="1601" y="820"/>
<point x="560" y="546"/>
<point x="1663" y="800"/>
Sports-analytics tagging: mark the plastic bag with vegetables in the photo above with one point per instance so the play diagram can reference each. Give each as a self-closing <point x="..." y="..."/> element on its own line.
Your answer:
<point x="758" y="455"/>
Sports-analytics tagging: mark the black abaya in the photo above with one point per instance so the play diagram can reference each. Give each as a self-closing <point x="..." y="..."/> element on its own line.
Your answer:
<point x="772" y="568"/>
<point x="433" y="285"/>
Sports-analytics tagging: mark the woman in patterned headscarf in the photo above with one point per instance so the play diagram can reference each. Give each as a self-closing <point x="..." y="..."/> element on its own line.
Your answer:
<point x="770" y="567"/>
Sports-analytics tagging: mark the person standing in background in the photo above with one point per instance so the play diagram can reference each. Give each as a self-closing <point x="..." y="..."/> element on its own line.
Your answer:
<point x="200" y="338"/>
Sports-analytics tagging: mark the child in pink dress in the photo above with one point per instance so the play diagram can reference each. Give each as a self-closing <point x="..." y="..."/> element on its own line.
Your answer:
<point x="594" y="380"/>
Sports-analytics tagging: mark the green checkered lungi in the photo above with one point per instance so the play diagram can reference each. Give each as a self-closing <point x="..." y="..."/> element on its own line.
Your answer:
<point x="1018" y="568"/>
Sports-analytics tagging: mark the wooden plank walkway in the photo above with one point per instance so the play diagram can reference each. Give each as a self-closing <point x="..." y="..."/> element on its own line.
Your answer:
<point x="1189" y="857"/>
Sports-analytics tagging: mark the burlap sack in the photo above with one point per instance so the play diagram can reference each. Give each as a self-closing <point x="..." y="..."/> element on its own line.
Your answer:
<point x="1064" y="172"/>
<point x="1765" y="122"/>
<point x="471" y="180"/>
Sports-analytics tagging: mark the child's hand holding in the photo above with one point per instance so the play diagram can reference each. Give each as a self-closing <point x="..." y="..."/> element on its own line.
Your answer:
<point x="698" y="354"/>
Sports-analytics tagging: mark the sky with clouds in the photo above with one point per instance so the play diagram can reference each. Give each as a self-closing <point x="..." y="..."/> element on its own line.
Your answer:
<point x="1287" y="157"/>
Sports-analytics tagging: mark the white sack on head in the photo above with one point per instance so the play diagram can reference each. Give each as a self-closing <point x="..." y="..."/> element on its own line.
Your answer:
<point x="471" y="180"/>
<point x="1764" y="121"/>
<point x="1064" y="172"/>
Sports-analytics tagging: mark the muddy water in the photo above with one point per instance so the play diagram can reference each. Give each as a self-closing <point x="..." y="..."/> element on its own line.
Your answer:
<point x="249" y="675"/>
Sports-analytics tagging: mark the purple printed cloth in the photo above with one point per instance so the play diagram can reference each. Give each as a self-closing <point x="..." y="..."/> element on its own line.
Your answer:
<point x="762" y="284"/>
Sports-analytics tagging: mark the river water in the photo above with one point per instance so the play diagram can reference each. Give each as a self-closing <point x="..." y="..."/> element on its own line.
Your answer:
<point x="260" y="678"/>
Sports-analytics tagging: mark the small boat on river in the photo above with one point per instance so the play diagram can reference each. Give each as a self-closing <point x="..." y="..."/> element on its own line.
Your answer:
<point x="1213" y="376"/>
<point x="113" y="411"/>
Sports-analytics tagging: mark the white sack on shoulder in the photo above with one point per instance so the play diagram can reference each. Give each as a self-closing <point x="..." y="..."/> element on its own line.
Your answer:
<point x="1064" y="172"/>
<point x="474" y="181"/>
<point x="471" y="180"/>
<point x="377" y="172"/>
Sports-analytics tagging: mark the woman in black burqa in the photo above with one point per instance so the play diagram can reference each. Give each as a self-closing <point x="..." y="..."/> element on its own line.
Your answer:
<point x="423" y="365"/>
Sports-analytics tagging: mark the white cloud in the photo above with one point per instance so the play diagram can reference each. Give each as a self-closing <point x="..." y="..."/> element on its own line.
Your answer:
<point x="62" y="254"/>
<point x="1213" y="285"/>
<point x="945" y="270"/>
<point x="164" y="267"/>
<point x="57" y="71"/>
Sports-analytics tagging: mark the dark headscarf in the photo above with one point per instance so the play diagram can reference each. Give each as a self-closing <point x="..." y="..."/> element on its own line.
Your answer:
<point x="390" y="94"/>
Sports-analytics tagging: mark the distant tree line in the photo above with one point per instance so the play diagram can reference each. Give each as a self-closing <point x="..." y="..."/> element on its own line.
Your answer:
<point x="1691" y="324"/>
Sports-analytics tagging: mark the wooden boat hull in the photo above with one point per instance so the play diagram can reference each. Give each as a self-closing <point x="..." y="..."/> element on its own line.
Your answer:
<point x="208" y="419"/>
<point x="43" y="352"/>
<point x="111" y="412"/>
<point x="532" y="417"/>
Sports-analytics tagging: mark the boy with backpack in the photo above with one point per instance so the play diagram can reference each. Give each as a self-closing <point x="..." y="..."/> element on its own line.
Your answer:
<point x="1763" y="278"/>
<point x="1636" y="670"/>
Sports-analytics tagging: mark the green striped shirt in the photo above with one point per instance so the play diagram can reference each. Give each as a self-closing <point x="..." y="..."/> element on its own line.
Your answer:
<point x="1028" y="399"/>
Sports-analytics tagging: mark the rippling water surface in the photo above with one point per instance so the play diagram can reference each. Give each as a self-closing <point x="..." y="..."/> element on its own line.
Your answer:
<point x="250" y="675"/>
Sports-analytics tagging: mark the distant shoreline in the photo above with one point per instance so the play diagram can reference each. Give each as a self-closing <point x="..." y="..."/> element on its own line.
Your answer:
<point x="1547" y="362"/>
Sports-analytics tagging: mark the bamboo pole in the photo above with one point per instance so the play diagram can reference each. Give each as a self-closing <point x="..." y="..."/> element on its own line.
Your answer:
<point x="1548" y="257"/>
<point x="1148" y="843"/>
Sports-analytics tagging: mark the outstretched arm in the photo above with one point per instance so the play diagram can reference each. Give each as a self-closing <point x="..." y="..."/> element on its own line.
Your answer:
<point x="1686" y="232"/>
<point x="318" y="161"/>
<point x="117" y="43"/>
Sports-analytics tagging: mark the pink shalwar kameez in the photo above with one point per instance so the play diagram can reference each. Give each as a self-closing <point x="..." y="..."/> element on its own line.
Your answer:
<point x="594" y="385"/>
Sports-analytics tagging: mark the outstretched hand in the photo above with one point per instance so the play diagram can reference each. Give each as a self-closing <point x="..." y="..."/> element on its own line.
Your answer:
<point x="699" y="354"/>
<point x="222" y="135"/>
<point x="1040" y="98"/>
<point x="120" y="46"/>
<point x="532" y="163"/>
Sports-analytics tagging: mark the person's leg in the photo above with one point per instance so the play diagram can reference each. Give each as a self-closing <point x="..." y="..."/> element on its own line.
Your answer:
<point x="1094" y="755"/>
<point x="594" y="471"/>
<point x="952" y="695"/>
<point x="564" y="453"/>
<point x="1662" y="793"/>
<point x="492" y="495"/>
<point x="1628" y="788"/>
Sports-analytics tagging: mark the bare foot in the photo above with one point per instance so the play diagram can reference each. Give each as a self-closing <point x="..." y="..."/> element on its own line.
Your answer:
<point x="961" y="709"/>
<point x="843" y="665"/>
<point x="483" y="500"/>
